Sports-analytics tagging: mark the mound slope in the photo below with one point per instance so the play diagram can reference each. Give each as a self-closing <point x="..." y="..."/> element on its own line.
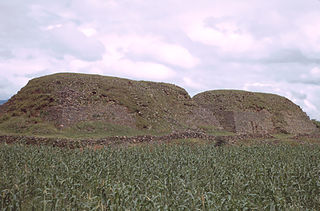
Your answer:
<point x="249" y="112"/>
<point x="67" y="99"/>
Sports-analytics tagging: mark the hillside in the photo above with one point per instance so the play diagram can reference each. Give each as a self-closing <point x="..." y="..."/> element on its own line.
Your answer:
<point x="2" y="101"/>
<point x="243" y="112"/>
<point x="81" y="105"/>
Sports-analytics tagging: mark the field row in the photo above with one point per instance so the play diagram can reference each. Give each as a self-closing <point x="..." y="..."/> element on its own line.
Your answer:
<point x="153" y="177"/>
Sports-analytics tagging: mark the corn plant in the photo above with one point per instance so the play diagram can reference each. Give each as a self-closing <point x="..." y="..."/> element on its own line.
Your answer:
<point x="160" y="177"/>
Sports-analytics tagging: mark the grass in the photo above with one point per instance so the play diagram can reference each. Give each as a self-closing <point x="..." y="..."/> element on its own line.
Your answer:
<point x="27" y="126"/>
<point x="96" y="129"/>
<point x="160" y="177"/>
<point x="89" y="129"/>
<point x="242" y="100"/>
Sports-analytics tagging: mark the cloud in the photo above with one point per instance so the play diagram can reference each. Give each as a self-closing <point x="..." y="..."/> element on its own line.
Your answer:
<point x="150" y="47"/>
<point x="34" y="26"/>
<point x="226" y="35"/>
<point x="69" y="40"/>
<point x="143" y="70"/>
<point x="212" y="44"/>
<point x="309" y="77"/>
<point x="290" y="56"/>
<point x="193" y="84"/>
<point x="315" y="71"/>
<point x="88" y="31"/>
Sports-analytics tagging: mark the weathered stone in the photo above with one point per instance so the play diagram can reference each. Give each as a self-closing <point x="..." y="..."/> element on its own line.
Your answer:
<point x="248" y="112"/>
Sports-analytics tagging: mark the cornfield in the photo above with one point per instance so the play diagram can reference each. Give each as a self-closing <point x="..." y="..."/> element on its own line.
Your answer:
<point x="160" y="177"/>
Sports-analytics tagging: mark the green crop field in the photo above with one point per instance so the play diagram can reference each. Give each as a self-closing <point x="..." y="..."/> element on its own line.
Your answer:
<point x="160" y="177"/>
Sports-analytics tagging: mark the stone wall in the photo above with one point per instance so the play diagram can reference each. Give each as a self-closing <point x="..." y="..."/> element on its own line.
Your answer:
<point x="253" y="122"/>
<point x="298" y="123"/>
<point x="109" y="112"/>
<point x="226" y="120"/>
<point x="242" y="122"/>
<point x="115" y="140"/>
<point x="201" y="116"/>
<point x="249" y="112"/>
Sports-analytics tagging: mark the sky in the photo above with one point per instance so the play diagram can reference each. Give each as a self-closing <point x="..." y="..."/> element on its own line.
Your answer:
<point x="256" y="45"/>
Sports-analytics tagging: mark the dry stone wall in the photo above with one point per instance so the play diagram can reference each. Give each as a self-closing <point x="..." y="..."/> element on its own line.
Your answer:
<point x="298" y="123"/>
<point x="68" y="115"/>
<point x="115" y="140"/>
<point x="247" y="112"/>
<point x="253" y="122"/>
<point x="226" y="120"/>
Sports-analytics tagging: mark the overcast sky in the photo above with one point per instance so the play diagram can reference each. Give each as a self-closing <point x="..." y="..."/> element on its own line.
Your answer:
<point x="257" y="45"/>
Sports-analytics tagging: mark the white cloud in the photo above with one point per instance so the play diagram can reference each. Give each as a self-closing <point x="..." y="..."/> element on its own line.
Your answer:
<point x="76" y="64"/>
<point x="190" y="83"/>
<point x="265" y="87"/>
<point x="27" y="65"/>
<point x="227" y="36"/>
<point x="142" y="70"/>
<point x="122" y="68"/>
<point x="212" y="44"/>
<point x="88" y="31"/>
<point x="310" y="77"/>
<point x="68" y="40"/>
<point x="315" y="71"/>
<point x="50" y="27"/>
<point x="309" y="105"/>
<point x="149" y="47"/>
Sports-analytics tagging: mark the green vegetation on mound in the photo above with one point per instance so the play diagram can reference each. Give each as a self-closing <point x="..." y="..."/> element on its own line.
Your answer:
<point x="285" y="115"/>
<point x="238" y="100"/>
<point x="90" y="129"/>
<point x="71" y="100"/>
<point x="160" y="177"/>
<point x="81" y="105"/>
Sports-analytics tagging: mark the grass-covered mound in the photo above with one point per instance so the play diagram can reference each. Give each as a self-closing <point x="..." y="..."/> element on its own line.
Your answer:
<point x="279" y="113"/>
<point x="160" y="177"/>
<point x="97" y="104"/>
<point x="81" y="105"/>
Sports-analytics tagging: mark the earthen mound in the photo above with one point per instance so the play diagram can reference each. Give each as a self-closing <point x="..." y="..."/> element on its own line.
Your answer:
<point x="68" y="99"/>
<point x="250" y="112"/>
<point x="69" y="104"/>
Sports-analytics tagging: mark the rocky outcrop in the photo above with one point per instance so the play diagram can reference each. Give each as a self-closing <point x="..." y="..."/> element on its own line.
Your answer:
<point x="248" y="112"/>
